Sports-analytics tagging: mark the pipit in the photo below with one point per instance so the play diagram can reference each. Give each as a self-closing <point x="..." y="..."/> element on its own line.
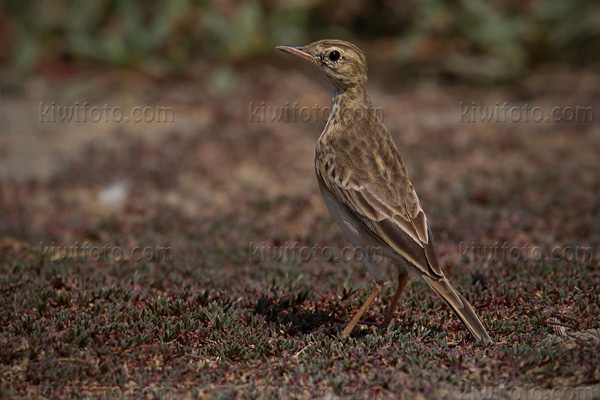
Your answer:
<point x="365" y="185"/>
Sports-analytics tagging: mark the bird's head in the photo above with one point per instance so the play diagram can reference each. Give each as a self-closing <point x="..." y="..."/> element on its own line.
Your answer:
<point x="343" y="63"/>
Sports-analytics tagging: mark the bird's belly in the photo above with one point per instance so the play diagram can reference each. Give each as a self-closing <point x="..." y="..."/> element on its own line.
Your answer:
<point x="365" y="243"/>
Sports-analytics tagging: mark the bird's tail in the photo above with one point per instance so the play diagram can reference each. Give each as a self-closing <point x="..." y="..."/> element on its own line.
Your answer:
<point x="460" y="306"/>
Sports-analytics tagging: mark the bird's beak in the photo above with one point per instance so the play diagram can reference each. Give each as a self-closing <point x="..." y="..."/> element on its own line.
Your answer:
<point x="299" y="51"/>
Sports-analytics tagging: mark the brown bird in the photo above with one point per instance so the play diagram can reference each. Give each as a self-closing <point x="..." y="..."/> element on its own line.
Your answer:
<point x="365" y="185"/>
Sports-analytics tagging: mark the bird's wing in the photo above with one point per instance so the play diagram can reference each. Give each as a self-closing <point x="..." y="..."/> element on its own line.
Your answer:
<point x="376" y="190"/>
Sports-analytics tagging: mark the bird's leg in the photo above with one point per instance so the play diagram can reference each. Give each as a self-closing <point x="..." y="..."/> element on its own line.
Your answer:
<point x="348" y="329"/>
<point x="402" y="280"/>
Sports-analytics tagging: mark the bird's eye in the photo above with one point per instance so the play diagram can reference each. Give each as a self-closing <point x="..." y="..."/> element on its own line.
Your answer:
<point x="334" y="55"/>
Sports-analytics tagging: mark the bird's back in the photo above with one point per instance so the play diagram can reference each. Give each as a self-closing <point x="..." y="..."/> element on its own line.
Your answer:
<point x="360" y="151"/>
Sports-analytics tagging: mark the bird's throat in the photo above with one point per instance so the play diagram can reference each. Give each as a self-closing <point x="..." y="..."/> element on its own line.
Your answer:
<point x="348" y="104"/>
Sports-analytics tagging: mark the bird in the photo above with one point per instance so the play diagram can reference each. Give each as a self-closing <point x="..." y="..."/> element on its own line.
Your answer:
<point x="365" y="186"/>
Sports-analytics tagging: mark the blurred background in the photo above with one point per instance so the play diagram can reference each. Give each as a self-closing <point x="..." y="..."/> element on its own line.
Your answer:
<point x="476" y="40"/>
<point x="218" y="164"/>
